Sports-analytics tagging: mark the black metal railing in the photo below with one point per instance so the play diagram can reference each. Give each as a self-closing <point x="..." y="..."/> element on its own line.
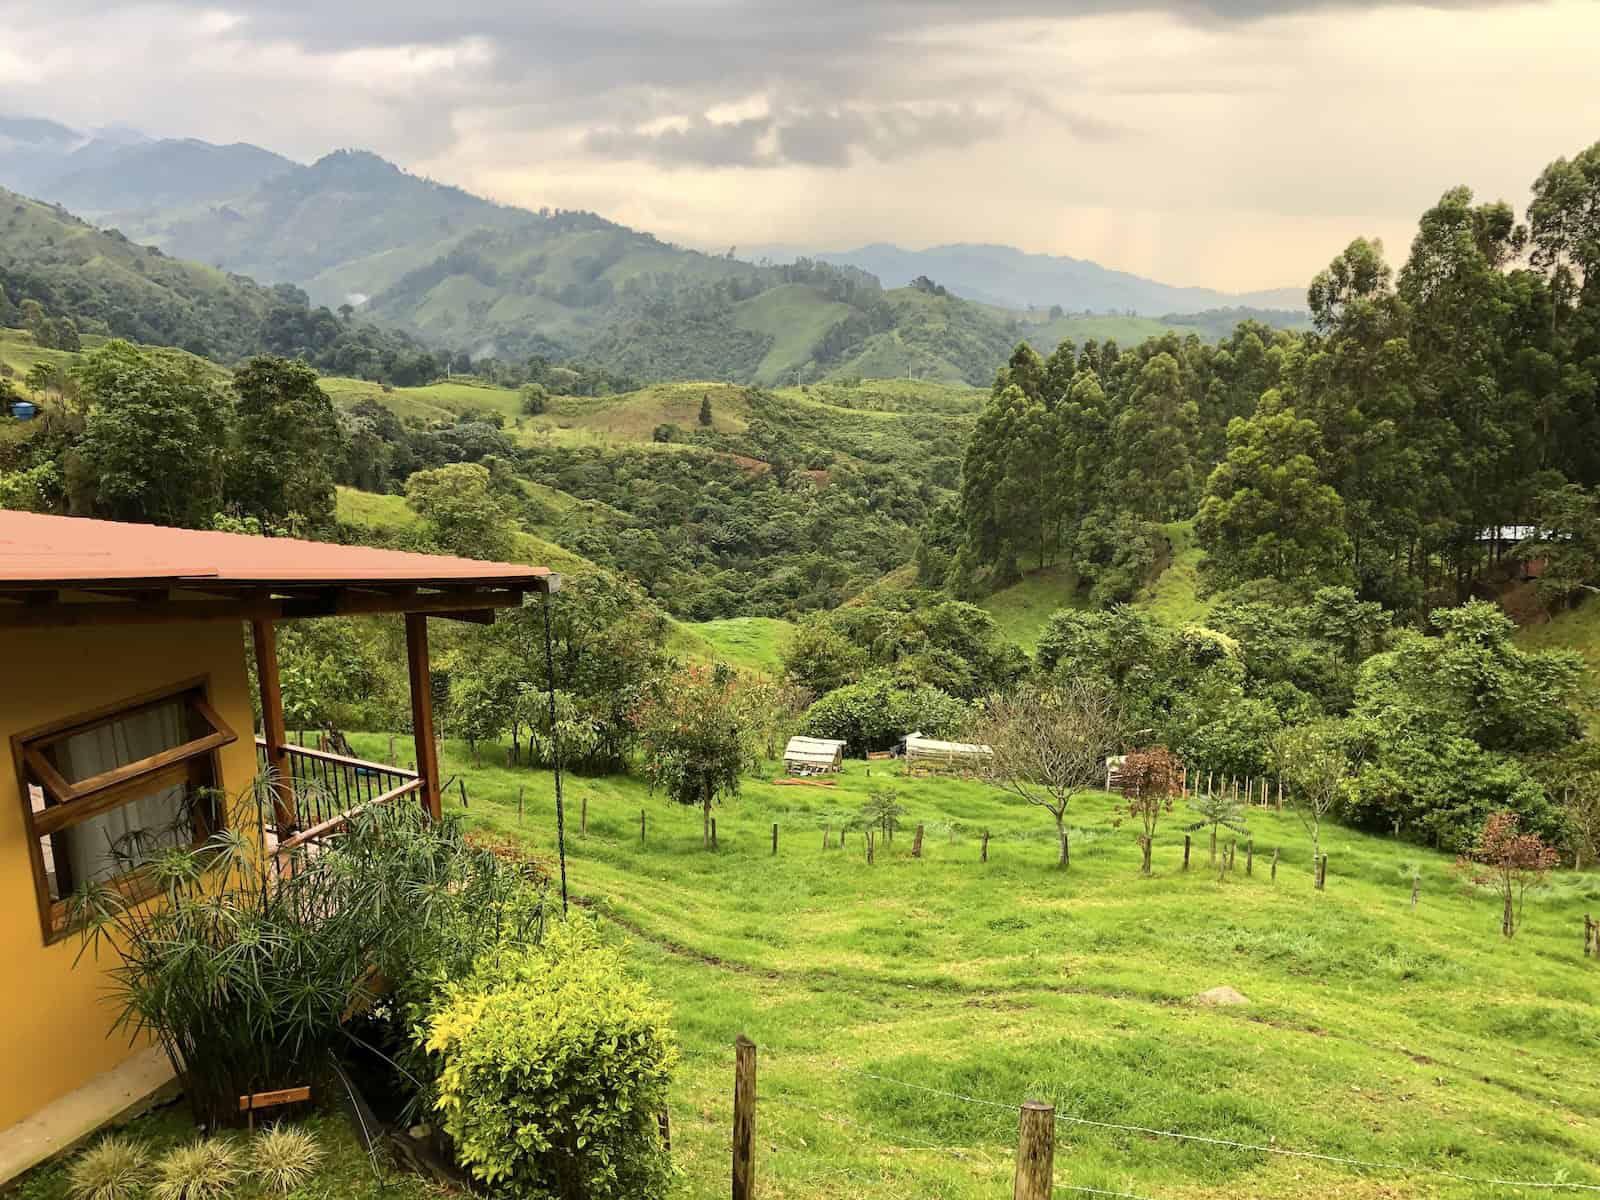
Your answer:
<point x="327" y="786"/>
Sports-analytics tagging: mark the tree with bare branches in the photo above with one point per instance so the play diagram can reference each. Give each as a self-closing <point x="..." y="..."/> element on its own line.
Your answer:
<point x="1048" y="745"/>
<point x="1317" y="765"/>
<point x="1510" y="861"/>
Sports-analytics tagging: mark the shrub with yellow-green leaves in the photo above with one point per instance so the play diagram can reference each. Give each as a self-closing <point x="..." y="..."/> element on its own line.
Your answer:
<point x="552" y="1065"/>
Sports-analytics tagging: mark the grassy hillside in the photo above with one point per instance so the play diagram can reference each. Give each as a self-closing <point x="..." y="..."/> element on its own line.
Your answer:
<point x="748" y="643"/>
<point x="1172" y="597"/>
<point x="111" y="285"/>
<point x="795" y="317"/>
<point x="1371" y="1030"/>
<point x="1575" y="629"/>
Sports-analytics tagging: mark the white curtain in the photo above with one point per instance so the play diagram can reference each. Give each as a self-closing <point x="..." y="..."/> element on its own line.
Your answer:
<point x="140" y="827"/>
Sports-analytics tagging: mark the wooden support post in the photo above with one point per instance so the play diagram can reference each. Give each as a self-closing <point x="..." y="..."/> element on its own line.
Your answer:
<point x="583" y="815"/>
<point x="1588" y="934"/>
<point x="983" y="855"/>
<point x="826" y="830"/>
<point x="422" y="734"/>
<point x="393" y="761"/>
<point x="1250" y="857"/>
<point x="869" y="847"/>
<point x="641" y="827"/>
<point x="1036" y="1152"/>
<point x="521" y="788"/>
<point x="1322" y="872"/>
<point x="916" y="843"/>
<point x="272" y="730"/>
<point x="1416" y="891"/>
<point x="774" y="837"/>
<point x="1274" y="864"/>
<point x="1186" y="851"/>
<point x="461" y="786"/>
<point x="744" y="1119"/>
<point x="1233" y="844"/>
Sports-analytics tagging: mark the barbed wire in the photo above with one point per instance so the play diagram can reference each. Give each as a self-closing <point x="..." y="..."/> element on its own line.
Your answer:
<point x="1231" y="1144"/>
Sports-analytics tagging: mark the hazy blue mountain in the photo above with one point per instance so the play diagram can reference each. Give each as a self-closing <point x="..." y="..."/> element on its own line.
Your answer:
<point x="118" y="170"/>
<point x="1012" y="278"/>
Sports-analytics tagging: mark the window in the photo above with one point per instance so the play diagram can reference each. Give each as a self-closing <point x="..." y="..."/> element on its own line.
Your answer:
<point x="107" y="791"/>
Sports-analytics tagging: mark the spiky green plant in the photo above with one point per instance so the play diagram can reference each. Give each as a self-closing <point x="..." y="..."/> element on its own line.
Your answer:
<point x="245" y="971"/>
<point x="115" y="1168"/>
<point x="1218" y="810"/>
<point x="284" y="1158"/>
<point x="205" y="1169"/>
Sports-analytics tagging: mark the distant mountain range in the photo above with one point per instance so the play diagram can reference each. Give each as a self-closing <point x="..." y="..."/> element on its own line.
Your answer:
<point x="1010" y="278"/>
<point x="466" y="274"/>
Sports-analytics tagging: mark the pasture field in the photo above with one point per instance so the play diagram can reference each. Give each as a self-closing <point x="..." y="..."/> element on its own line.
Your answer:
<point x="1373" y="1031"/>
<point x="747" y="643"/>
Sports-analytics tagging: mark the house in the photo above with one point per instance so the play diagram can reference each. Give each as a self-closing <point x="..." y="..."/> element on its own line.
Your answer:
<point x="124" y="688"/>
<point x="812" y="756"/>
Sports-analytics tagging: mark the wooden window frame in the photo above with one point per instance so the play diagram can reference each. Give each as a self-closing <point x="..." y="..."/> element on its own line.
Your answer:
<point x="71" y="803"/>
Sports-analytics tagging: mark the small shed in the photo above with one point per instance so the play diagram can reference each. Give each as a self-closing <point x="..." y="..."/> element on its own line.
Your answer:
<point x="931" y="754"/>
<point x="812" y="756"/>
<point x="1114" y="771"/>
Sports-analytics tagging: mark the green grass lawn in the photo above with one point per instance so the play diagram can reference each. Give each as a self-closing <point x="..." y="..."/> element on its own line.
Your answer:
<point x="748" y="643"/>
<point x="1021" y="610"/>
<point x="1372" y="1031"/>
<point x="1174" y="597"/>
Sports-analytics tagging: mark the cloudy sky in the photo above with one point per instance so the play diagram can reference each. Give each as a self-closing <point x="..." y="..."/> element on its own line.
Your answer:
<point x="1232" y="143"/>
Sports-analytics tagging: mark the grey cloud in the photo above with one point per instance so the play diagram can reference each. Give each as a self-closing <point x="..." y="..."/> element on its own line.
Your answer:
<point x="822" y="138"/>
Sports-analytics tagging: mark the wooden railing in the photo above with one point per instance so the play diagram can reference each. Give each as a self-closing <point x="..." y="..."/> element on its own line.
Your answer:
<point x="328" y="788"/>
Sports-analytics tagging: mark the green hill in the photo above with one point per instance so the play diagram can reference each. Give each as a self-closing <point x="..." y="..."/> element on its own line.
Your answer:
<point x="110" y="285"/>
<point x="1171" y="596"/>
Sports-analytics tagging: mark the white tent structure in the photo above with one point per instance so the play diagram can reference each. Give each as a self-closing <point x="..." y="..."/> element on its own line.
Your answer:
<point x="812" y="756"/>
<point x="931" y="754"/>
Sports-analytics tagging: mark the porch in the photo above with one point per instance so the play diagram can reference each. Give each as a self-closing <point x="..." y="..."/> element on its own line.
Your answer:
<point x="129" y="647"/>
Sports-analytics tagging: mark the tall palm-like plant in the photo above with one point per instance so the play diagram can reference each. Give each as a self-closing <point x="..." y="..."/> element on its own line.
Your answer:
<point x="246" y="964"/>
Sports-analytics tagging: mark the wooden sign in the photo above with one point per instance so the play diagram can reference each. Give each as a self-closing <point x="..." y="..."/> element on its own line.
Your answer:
<point x="258" y="1100"/>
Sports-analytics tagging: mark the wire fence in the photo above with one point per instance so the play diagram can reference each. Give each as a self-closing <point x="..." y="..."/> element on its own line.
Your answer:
<point x="1375" y="1165"/>
<point x="1034" y="1144"/>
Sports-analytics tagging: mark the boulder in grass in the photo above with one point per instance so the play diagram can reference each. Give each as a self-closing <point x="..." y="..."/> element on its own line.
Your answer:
<point x="1222" y="997"/>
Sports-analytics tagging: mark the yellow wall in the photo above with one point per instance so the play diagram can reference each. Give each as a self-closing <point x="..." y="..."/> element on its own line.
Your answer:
<point x="56" y="1032"/>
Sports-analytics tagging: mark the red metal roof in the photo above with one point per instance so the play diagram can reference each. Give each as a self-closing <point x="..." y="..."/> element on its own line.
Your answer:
<point x="67" y="551"/>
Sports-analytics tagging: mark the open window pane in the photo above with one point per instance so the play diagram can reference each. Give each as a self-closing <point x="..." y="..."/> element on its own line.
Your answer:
<point x="124" y="739"/>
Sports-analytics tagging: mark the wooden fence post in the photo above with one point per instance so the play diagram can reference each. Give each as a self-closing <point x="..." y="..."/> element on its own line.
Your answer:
<point x="1250" y="857"/>
<point x="641" y="827"/>
<point x="583" y="815"/>
<point x="826" y="830"/>
<point x="774" y="837"/>
<point x="1588" y="934"/>
<point x="393" y="761"/>
<point x="1274" y="864"/>
<point x="983" y="854"/>
<point x="1036" y="1152"/>
<point x="521" y="788"/>
<point x="744" y="1119"/>
<point x="713" y="833"/>
<point x="916" y="844"/>
<point x="1416" y="889"/>
<point x="1186" y="852"/>
<point x="870" y="840"/>
<point x="461" y="786"/>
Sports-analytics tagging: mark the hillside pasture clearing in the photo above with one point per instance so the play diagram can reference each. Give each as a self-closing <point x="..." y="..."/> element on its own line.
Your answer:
<point x="1372" y="1031"/>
